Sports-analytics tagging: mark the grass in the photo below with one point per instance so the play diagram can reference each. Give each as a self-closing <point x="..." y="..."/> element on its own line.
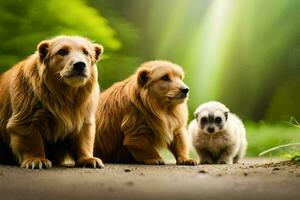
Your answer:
<point x="294" y="156"/>
<point x="290" y="150"/>
<point x="264" y="136"/>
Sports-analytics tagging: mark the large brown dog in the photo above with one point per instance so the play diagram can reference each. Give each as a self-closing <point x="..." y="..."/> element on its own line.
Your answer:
<point x="147" y="111"/>
<point x="48" y="105"/>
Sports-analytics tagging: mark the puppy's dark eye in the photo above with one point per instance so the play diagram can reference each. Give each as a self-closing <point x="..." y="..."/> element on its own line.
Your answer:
<point x="218" y="120"/>
<point x="165" y="78"/>
<point x="203" y="120"/>
<point x="85" y="52"/>
<point x="63" y="52"/>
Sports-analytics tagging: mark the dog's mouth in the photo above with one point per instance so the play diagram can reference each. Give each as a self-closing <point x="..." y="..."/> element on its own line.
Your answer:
<point x="76" y="75"/>
<point x="178" y="97"/>
<point x="75" y="79"/>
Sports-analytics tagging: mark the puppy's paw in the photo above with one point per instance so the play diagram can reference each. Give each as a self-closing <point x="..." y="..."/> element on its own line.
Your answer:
<point x="186" y="161"/>
<point x="236" y="160"/>
<point x="222" y="161"/>
<point x="154" y="162"/>
<point x="91" y="162"/>
<point x="36" y="163"/>
<point x="206" y="162"/>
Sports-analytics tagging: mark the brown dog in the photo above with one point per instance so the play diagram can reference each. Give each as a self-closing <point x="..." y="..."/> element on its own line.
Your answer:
<point x="48" y="104"/>
<point x="147" y="111"/>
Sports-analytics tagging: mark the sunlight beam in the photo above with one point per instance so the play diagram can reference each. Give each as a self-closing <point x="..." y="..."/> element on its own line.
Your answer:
<point x="210" y="43"/>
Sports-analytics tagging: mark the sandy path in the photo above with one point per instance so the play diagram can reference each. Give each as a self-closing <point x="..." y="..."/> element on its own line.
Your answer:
<point x="249" y="180"/>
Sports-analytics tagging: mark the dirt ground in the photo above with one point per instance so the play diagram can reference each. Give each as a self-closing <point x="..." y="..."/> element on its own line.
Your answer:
<point x="252" y="179"/>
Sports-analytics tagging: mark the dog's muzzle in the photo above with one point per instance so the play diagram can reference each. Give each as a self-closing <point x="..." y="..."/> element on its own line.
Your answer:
<point x="79" y="69"/>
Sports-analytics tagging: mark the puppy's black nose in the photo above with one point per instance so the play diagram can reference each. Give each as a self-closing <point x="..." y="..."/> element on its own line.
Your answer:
<point x="184" y="90"/>
<point x="79" y="66"/>
<point x="211" y="129"/>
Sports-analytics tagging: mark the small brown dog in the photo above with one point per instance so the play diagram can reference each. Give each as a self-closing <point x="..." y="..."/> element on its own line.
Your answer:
<point x="48" y="105"/>
<point x="147" y="111"/>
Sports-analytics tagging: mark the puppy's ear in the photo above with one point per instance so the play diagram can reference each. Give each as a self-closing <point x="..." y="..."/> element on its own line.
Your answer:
<point x="43" y="49"/>
<point x="98" y="51"/>
<point x="143" y="76"/>
<point x="195" y="114"/>
<point x="226" y="115"/>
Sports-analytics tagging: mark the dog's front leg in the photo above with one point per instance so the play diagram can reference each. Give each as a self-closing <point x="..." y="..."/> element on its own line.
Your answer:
<point x="84" y="147"/>
<point x="179" y="148"/>
<point x="142" y="149"/>
<point x="29" y="149"/>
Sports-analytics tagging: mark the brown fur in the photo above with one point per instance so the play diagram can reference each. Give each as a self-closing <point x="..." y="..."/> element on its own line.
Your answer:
<point x="46" y="110"/>
<point x="137" y="116"/>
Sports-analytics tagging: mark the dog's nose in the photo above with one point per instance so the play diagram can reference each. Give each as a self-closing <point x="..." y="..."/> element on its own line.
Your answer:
<point x="184" y="90"/>
<point x="211" y="129"/>
<point x="79" y="66"/>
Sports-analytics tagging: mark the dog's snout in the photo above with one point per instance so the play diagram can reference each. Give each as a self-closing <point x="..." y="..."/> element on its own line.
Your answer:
<point x="184" y="90"/>
<point x="211" y="129"/>
<point x="79" y="66"/>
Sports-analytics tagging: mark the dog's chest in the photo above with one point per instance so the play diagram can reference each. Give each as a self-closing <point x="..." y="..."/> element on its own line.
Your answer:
<point x="62" y="126"/>
<point x="169" y="126"/>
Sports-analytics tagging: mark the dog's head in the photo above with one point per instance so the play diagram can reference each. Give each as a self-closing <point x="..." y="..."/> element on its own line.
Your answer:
<point x="71" y="59"/>
<point x="212" y="117"/>
<point x="163" y="82"/>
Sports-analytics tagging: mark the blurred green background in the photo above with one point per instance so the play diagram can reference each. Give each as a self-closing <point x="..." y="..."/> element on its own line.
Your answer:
<point x="244" y="53"/>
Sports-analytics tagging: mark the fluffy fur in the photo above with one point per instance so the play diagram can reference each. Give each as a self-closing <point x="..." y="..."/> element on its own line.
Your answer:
<point x="48" y="105"/>
<point x="143" y="113"/>
<point x="217" y="135"/>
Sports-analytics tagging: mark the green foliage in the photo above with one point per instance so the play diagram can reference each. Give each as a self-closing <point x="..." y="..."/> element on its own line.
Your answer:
<point x="285" y="102"/>
<point x="261" y="57"/>
<point x="238" y="52"/>
<point x="25" y="23"/>
<point x="290" y="150"/>
<point x="265" y="136"/>
<point x="295" y="156"/>
<point x="120" y="64"/>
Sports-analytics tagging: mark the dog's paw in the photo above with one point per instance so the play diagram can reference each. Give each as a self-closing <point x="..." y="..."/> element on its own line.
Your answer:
<point x="186" y="161"/>
<point x="154" y="162"/>
<point x="91" y="162"/>
<point x="36" y="163"/>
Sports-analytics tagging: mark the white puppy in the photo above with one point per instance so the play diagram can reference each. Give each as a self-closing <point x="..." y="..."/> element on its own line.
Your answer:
<point x="217" y="135"/>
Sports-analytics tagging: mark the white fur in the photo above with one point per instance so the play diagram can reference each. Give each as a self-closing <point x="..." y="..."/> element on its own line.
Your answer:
<point x="227" y="145"/>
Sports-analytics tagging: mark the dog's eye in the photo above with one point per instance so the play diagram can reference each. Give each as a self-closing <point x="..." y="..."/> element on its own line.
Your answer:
<point x="85" y="52"/>
<point x="165" y="78"/>
<point x="63" y="52"/>
<point x="218" y="120"/>
<point x="203" y="120"/>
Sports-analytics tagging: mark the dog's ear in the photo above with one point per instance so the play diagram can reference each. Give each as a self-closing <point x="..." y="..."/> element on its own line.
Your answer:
<point x="226" y="115"/>
<point x="143" y="76"/>
<point x="43" y="49"/>
<point x="98" y="51"/>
